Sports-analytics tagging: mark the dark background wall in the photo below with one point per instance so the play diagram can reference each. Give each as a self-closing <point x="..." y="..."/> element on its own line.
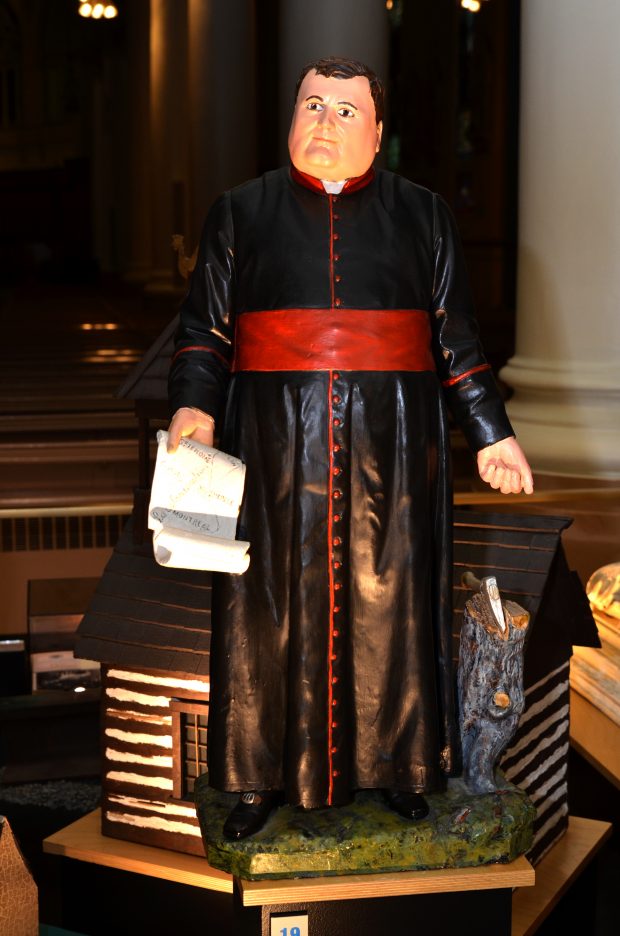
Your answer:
<point x="72" y="159"/>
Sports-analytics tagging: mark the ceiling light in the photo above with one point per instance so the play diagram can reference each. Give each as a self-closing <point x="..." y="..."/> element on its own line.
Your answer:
<point x="98" y="10"/>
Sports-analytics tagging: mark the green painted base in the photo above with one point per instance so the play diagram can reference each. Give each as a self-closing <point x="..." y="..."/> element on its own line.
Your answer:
<point x="366" y="837"/>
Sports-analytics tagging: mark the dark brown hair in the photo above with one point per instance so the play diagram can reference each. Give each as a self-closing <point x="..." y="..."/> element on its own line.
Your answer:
<point x="346" y="68"/>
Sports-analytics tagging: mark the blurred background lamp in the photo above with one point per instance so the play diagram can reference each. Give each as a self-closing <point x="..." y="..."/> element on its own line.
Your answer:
<point x="98" y="10"/>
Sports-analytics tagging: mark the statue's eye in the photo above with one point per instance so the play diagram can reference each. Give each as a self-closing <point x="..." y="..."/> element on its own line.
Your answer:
<point x="314" y="106"/>
<point x="346" y="112"/>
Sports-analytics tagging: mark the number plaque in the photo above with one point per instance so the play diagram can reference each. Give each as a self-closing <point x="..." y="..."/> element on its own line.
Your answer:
<point x="296" y="925"/>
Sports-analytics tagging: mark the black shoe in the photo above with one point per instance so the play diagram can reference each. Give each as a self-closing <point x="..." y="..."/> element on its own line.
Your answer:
<point x="251" y="813"/>
<point x="408" y="805"/>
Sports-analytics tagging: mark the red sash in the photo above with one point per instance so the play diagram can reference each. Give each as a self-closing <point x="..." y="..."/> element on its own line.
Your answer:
<point x="332" y="339"/>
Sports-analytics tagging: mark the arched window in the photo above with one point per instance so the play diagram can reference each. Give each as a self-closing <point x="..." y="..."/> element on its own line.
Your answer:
<point x="10" y="64"/>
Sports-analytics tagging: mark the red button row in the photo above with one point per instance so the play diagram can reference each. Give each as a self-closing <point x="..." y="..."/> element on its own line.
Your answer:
<point x="336" y="541"/>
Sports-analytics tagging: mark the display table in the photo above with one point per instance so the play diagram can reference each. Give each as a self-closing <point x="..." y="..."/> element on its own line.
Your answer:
<point x="557" y="871"/>
<point x="106" y="885"/>
<point x="83" y="840"/>
<point x="595" y="736"/>
<point x="476" y="900"/>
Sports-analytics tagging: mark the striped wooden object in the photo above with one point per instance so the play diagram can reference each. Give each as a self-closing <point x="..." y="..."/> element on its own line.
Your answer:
<point x="526" y="556"/>
<point x="150" y="627"/>
<point x="153" y="749"/>
<point x="537" y="759"/>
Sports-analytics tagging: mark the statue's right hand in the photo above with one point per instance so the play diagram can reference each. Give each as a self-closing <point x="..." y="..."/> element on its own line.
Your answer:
<point x="192" y="423"/>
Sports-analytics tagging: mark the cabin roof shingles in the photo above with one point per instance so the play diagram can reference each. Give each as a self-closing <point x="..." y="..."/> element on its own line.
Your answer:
<point x="148" y="380"/>
<point x="525" y="554"/>
<point x="518" y="550"/>
<point x="144" y="615"/>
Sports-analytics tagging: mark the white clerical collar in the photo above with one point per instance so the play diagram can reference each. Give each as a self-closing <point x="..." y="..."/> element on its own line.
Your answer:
<point x="333" y="188"/>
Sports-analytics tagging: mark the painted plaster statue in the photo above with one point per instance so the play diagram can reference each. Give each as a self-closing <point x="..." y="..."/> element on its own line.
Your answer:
<point x="327" y="326"/>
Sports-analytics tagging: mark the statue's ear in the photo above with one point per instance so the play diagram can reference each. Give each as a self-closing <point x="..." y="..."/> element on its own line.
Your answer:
<point x="379" y="135"/>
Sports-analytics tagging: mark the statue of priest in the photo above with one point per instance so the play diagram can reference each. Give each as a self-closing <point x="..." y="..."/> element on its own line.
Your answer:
<point x="327" y="326"/>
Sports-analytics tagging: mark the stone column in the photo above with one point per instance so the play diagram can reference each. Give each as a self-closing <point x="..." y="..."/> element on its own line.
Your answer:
<point x="168" y="138"/>
<point x="138" y="264"/>
<point x="566" y="372"/>
<point x="222" y="102"/>
<point x="311" y="30"/>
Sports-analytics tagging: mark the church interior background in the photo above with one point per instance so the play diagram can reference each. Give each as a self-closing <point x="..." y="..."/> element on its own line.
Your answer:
<point x="118" y="131"/>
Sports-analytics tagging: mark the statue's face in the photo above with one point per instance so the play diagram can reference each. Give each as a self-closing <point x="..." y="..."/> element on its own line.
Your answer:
<point x="334" y="134"/>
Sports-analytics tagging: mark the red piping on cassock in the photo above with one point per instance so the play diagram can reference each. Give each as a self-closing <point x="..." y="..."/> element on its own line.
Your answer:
<point x="330" y="644"/>
<point x="473" y="370"/>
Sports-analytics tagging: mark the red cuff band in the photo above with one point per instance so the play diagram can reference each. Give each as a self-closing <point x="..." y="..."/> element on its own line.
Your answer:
<point x="201" y="348"/>
<point x="474" y="370"/>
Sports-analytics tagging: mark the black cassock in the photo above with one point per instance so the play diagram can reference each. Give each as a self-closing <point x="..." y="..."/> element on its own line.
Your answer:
<point x="325" y="333"/>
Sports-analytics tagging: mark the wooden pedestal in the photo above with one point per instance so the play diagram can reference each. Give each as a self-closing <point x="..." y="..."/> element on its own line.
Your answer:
<point x="472" y="901"/>
<point x="109" y="885"/>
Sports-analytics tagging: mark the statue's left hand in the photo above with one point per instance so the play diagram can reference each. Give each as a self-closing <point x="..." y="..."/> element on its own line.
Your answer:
<point x="504" y="466"/>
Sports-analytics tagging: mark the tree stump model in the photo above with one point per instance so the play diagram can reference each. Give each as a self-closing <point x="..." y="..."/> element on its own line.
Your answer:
<point x="490" y="681"/>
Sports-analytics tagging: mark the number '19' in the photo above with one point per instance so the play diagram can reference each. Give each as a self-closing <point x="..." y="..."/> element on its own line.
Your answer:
<point x="293" y="931"/>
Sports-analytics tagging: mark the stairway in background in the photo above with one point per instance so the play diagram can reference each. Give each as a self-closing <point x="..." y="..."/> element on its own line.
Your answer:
<point x="68" y="445"/>
<point x="66" y="438"/>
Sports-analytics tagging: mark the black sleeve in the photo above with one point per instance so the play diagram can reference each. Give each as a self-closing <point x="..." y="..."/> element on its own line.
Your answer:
<point x="470" y="389"/>
<point x="200" y="369"/>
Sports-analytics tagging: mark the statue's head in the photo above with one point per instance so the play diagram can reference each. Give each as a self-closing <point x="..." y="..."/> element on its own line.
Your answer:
<point x="338" y="119"/>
